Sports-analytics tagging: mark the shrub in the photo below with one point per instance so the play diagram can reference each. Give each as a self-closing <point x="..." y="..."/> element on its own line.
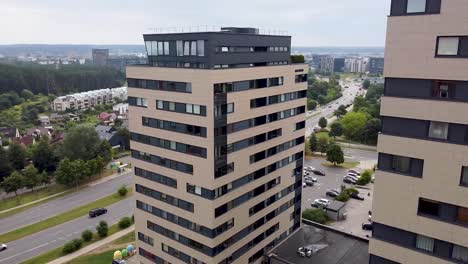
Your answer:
<point x="351" y="191"/>
<point x="77" y="243"/>
<point x="342" y="197"/>
<point x="68" y="248"/>
<point x="316" y="215"/>
<point x="365" y="178"/>
<point x="102" y="229"/>
<point x="125" y="222"/>
<point x="122" y="191"/>
<point x="87" y="235"/>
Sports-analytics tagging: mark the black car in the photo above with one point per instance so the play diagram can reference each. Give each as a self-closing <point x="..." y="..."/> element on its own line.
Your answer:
<point x="348" y="180"/>
<point x="97" y="212"/>
<point x="318" y="172"/>
<point x="367" y="226"/>
<point x="332" y="193"/>
<point x="309" y="182"/>
<point x="357" y="196"/>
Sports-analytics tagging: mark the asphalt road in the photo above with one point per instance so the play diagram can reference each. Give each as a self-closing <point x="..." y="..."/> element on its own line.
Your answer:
<point x="327" y="110"/>
<point x="63" y="204"/>
<point x="35" y="244"/>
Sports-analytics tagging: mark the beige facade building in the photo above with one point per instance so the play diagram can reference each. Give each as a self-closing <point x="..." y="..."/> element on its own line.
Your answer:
<point x="217" y="139"/>
<point x="420" y="208"/>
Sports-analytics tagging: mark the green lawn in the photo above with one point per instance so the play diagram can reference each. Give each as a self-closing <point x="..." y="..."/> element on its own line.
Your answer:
<point x="61" y="218"/>
<point x="43" y="193"/>
<point x="31" y="196"/>
<point x="345" y="165"/>
<point x="105" y="256"/>
<point x="57" y="252"/>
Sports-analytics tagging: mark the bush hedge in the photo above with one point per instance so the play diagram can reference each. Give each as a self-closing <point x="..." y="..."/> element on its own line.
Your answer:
<point x="125" y="222"/>
<point x="316" y="215"/>
<point x="87" y="235"/>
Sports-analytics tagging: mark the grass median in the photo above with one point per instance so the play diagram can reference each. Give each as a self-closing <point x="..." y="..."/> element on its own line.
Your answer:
<point x="56" y="253"/>
<point x="61" y="218"/>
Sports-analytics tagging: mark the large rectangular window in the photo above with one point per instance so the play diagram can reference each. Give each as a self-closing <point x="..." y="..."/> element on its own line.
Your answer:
<point x="460" y="253"/>
<point x="425" y="243"/>
<point x="438" y="130"/>
<point x="180" y="47"/>
<point x="416" y="6"/>
<point x="201" y="48"/>
<point x="428" y="207"/>
<point x="464" y="177"/>
<point x="401" y="164"/>
<point x="448" y="46"/>
<point x="462" y="215"/>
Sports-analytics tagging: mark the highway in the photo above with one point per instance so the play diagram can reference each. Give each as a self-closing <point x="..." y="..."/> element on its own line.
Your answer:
<point x="63" y="204"/>
<point x="327" y="110"/>
<point x="38" y="243"/>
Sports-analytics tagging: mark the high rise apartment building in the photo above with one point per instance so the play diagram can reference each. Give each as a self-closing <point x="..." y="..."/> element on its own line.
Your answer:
<point x="217" y="139"/>
<point x="420" y="207"/>
<point x="100" y="56"/>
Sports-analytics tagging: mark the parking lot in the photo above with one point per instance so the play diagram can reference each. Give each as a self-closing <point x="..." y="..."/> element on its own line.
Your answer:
<point x="356" y="210"/>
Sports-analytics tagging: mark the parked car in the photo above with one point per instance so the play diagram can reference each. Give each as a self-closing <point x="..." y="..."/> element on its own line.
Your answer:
<point x="318" y="172"/>
<point x="367" y="226"/>
<point x="304" y="184"/>
<point x="353" y="174"/>
<point x="309" y="182"/>
<point x="349" y="180"/>
<point x="97" y="212"/>
<point x="310" y="178"/>
<point x="303" y="252"/>
<point x="357" y="196"/>
<point x="309" y="168"/>
<point x="3" y="247"/>
<point x="332" y="193"/>
<point x="354" y="171"/>
<point x="305" y="173"/>
<point x="321" y="202"/>
<point x="351" y="177"/>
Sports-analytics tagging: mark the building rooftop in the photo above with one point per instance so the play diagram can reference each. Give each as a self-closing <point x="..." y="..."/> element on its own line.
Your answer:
<point x="330" y="247"/>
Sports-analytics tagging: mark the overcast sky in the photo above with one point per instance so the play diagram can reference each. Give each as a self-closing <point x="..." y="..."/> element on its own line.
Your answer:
<point x="309" y="22"/>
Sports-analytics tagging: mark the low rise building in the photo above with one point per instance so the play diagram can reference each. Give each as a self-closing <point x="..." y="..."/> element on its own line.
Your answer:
<point x="85" y="100"/>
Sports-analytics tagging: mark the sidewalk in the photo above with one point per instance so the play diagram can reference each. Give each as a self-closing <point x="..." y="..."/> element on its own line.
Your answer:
<point x="93" y="246"/>
<point x="105" y="179"/>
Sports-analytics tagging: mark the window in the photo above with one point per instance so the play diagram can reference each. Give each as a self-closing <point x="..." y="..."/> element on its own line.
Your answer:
<point x="180" y="47"/>
<point x="401" y="164"/>
<point x="224" y="49"/>
<point x="171" y="106"/>
<point x="166" y="48"/>
<point x="448" y="46"/>
<point x="154" y="48"/>
<point x="425" y="243"/>
<point x="193" y="48"/>
<point x="443" y="90"/>
<point x="186" y="48"/>
<point x="438" y="130"/>
<point x="230" y="108"/>
<point x="165" y="248"/>
<point x="416" y="6"/>
<point x="462" y="215"/>
<point x="160" y="48"/>
<point x="189" y="108"/>
<point x="428" y="207"/>
<point x="201" y="48"/>
<point x="160" y="105"/>
<point x="148" y="48"/>
<point x="464" y="177"/>
<point x="460" y="253"/>
<point x="198" y="190"/>
<point x="141" y="102"/>
<point x="196" y="109"/>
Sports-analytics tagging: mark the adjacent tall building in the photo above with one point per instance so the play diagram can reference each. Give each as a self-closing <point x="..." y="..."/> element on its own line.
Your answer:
<point x="217" y="138"/>
<point x="420" y="208"/>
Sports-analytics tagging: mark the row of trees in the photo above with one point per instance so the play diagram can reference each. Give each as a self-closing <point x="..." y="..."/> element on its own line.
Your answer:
<point x="81" y="155"/>
<point x="322" y="92"/>
<point x="48" y="79"/>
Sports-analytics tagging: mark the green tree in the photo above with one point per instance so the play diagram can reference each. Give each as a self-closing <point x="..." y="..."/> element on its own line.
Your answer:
<point x="322" y="144"/>
<point x="87" y="235"/>
<point x="17" y="156"/>
<point x="43" y="156"/>
<point x="5" y="166"/>
<point x="81" y="142"/>
<point x="31" y="177"/>
<point x="100" y="165"/>
<point x="341" y="111"/>
<point x="125" y="222"/>
<point x="353" y="125"/>
<point x="102" y="229"/>
<point x="366" y="84"/>
<point x="45" y="178"/>
<point x="323" y="122"/>
<point x="92" y="167"/>
<point x="71" y="173"/>
<point x="27" y="94"/>
<point x="343" y="196"/>
<point x="335" y="154"/>
<point x="359" y="103"/>
<point x="371" y="131"/>
<point x="311" y="104"/>
<point x="29" y="114"/>
<point x="105" y="151"/>
<point x="316" y="215"/>
<point x="313" y="143"/>
<point x="336" y="130"/>
<point x="13" y="183"/>
<point x="365" y="177"/>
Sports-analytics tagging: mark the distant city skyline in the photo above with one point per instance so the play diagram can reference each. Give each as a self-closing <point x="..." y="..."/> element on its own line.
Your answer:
<point x="315" y="23"/>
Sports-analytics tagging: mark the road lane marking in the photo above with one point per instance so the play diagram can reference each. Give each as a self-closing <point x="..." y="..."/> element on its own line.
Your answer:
<point x="34" y="248"/>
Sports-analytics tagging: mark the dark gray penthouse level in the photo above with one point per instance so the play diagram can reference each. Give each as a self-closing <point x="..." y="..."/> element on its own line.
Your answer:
<point x="229" y="48"/>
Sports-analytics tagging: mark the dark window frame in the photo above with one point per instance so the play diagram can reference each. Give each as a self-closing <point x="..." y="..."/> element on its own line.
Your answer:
<point x="461" y="176"/>
<point x="436" y="55"/>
